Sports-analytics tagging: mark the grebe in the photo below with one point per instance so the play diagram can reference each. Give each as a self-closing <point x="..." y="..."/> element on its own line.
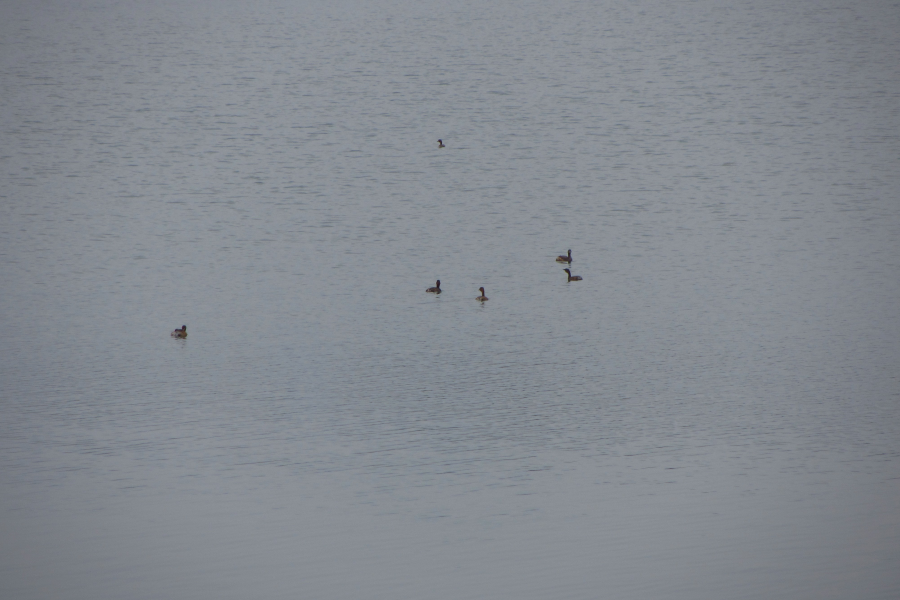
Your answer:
<point x="572" y="277"/>
<point x="565" y="259"/>
<point x="180" y="333"/>
<point x="436" y="289"/>
<point x="482" y="297"/>
<point x="440" y="143"/>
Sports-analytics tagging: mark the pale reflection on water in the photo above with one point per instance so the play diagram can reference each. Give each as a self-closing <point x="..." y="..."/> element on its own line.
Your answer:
<point x="711" y="413"/>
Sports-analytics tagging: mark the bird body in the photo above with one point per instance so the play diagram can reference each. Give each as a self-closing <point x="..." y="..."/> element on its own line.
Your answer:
<point x="436" y="289"/>
<point x="565" y="259"/>
<point x="482" y="297"/>
<point x="180" y="333"/>
<point x="572" y="277"/>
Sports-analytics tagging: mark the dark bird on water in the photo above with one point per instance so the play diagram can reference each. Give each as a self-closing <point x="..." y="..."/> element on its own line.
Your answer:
<point x="565" y="259"/>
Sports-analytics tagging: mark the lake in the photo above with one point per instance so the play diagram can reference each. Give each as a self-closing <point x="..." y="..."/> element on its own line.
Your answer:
<point x="712" y="412"/>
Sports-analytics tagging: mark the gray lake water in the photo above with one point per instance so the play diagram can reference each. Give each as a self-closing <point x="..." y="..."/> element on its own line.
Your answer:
<point x="712" y="413"/>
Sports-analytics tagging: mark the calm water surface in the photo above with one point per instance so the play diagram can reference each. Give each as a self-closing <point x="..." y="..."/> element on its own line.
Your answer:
<point x="713" y="412"/>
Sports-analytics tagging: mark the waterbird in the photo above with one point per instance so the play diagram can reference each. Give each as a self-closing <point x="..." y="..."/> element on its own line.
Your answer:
<point x="565" y="259"/>
<point x="482" y="297"/>
<point x="180" y="333"/>
<point x="572" y="277"/>
<point x="440" y="143"/>
<point x="436" y="289"/>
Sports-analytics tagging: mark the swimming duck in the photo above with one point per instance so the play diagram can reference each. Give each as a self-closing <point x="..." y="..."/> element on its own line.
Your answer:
<point x="482" y="297"/>
<point x="440" y="143"/>
<point x="180" y="333"/>
<point x="572" y="277"/>
<point x="565" y="259"/>
<point x="436" y="289"/>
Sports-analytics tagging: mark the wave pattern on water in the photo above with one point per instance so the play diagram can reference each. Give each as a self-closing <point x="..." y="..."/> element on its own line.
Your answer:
<point x="712" y="412"/>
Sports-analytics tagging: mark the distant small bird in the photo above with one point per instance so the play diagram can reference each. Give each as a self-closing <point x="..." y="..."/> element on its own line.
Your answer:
<point x="440" y="143"/>
<point x="180" y="333"/>
<point x="572" y="277"/>
<point x="482" y="297"/>
<point x="565" y="259"/>
<point x="436" y="289"/>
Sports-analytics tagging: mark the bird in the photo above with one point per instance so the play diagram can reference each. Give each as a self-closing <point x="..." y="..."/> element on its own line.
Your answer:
<point x="180" y="333"/>
<point x="482" y="297"/>
<point x="572" y="277"/>
<point x="436" y="289"/>
<point x="565" y="259"/>
<point x="440" y="143"/>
